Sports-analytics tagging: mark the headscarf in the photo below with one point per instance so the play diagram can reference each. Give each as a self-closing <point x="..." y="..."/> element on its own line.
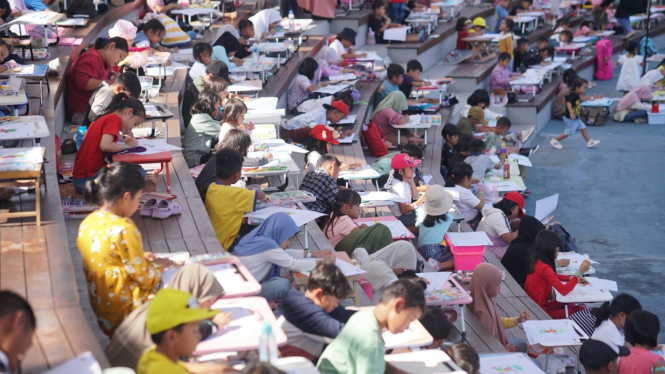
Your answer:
<point x="262" y="21"/>
<point x="379" y="266"/>
<point x="483" y="288"/>
<point x="518" y="255"/>
<point x="227" y="28"/>
<point x="636" y="95"/>
<point x="327" y="56"/>
<point x="269" y="235"/>
<point x="395" y="100"/>
<point x="123" y="29"/>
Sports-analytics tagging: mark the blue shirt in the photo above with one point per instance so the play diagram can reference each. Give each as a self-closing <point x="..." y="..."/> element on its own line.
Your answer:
<point x="432" y="235"/>
<point x="35" y="5"/>
<point x="317" y="116"/>
<point x="501" y="13"/>
<point x="384" y="90"/>
<point x="407" y="85"/>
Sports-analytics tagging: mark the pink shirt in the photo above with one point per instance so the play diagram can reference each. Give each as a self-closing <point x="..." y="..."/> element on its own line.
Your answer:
<point x="342" y="227"/>
<point x="640" y="361"/>
<point x="384" y="119"/>
<point x="582" y="31"/>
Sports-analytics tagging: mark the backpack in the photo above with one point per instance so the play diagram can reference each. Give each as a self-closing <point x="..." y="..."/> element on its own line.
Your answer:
<point x="604" y="68"/>
<point x="593" y="116"/>
<point x="569" y="244"/>
<point x="647" y="47"/>
<point x="374" y="140"/>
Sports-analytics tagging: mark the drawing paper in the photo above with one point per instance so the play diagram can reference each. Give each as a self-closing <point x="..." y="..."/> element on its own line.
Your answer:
<point x="468" y="239"/>
<point x="508" y="364"/>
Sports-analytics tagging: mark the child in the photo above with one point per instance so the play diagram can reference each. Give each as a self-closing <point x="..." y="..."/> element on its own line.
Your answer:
<point x="571" y="115"/>
<point x="522" y="7"/>
<point x="479" y="26"/>
<point x="499" y="135"/>
<point x="389" y="113"/>
<point x="319" y="142"/>
<point x="543" y="277"/>
<point x="564" y="25"/>
<point x="461" y="152"/>
<point x="468" y="204"/>
<point x="501" y="75"/>
<point x="387" y="266"/>
<point x="436" y="322"/>
<point x="433" y="222"/>
<point x="299" y="127"/>
<point x="485" y="286"/>
<point x="541" y="43"/>
<point x="123" y="114"/>
<point x="611" y="318"/>
<point x="412" y="79"/>
<point x="203" y="55"/>
<point x="565" y="38"/>
<point x="264" y="23"/>
<point x="345" y="96"/>
<point x="242" y="35"/>
<point x="128" y="83"/>
<point x="322" y="182"/>
<point x="382" y="165"/>
<point x="599" y="357"/>
<point x="233" y="118"/>
<point x="404" y="186"/>
<point x="481" y="98"/>
<point x="501" y="13"/>
<point x="221" y="87"/>
<point x="469" y="125"/>
<point x="378" y="22"/>
<point x="307" y="81"/>
<point x="465" y="357"/>
<point x="559" y="105"/>
<point x="499" y="221"/>
<point x="641" y="331"/>
<point x="8" y="60"/>
<point x="92" y="69"/>
<point x="520" y="53"/>
<point x="654" y="77"/>
<point x="517" y="256"/>
<point x="396" y="11"/>
<point x="216" y="69"/>
<point x="344" y="42"/>
<point x="345" y="235"/>
<point x="395" y="79"/>
<point x="479" y="161"/>
<point x="506" y="36"/>
<point x="227" y="204"/>
<point x="462" y="28"/>
<point x="586" y="28"/>
<point x="150" y="35"/>
<point x="631" y="71"/>
<point x="541" y="58"/>
<point x="450" y="135"/>
<point x="174" y="322"/>
<point x="329" y="62"/>
<point x="359" y="348"/>
<point x="264" y="252"/>
<point x="202" y="129"/>
<point x="309" y="319"/>
<point x="18" y="324"/>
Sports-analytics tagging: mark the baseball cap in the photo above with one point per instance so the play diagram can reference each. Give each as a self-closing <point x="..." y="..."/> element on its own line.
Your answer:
<point x="171" y="308"/>
<point x="595" y="354"/>
<point x="402" y="160"/>
<point x="339" y="106"/>
<point x="437" y="201"/>
<point x="323" y="132"/>
<point x="478" y="113"/>
<point x="518" y="199"/>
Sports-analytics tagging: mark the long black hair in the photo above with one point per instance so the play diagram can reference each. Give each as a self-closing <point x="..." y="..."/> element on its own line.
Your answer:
<point x="477" y="97"/>
<point x="308" y="68"/>
<point x="120" y="43"/>
<point x="623" y="302"/>
<point x="152" y="25"/>
<point x="113" y="182"/>
<point x="459" y="26"/>
<point x="121" y="101"/>
<point x="315" y="145"/>
<point x="430" y="221"/>
<point x="344" y="196"/>
<point x="207" y="102"/>
<point x="544" y="249"/>
<point x="506" y="206"/>
<point x="237" y="140"/>
<point x="460" y="171"/>
<point x="130" y="83"/>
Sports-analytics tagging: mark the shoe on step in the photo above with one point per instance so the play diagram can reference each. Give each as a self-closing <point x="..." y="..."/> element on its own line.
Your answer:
<point x="555" y="143"/>
<point x="512" y="137"/>
<point x="148" y="207"/>
<point x="592" y="143"/>
<point x="526" y="192"/>
<point x="360" y="255"/>
<point x="524" y="135"/>
<point x="165" y="209"/>
<point x="533" y="150"/>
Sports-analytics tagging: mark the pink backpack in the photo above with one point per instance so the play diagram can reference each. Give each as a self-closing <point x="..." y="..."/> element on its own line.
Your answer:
<point x="604" y="68"/>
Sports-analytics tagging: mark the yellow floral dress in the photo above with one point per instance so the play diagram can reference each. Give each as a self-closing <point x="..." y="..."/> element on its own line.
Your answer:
<point x="118" y="276"/>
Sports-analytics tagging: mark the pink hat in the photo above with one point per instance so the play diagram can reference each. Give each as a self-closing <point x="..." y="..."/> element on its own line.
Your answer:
<point x="123" y="29"/>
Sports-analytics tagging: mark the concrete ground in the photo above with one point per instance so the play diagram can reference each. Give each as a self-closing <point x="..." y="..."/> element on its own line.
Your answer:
<point x="605" y="199"/>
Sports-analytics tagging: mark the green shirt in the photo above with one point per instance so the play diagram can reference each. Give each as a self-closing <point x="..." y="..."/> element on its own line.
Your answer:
<point x="358" y="349"/>
<point x="493" y="140"/>
<point x="382" y="165"/>
<point x="465" y="127"/>
<point x="191" y="95"/>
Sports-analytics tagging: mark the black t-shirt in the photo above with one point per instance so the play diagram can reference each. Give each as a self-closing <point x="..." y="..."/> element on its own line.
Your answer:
<point x="513" y="12"/>
<point x="447" y="155"/>
<point x="532" y="60"/>
<point x="519" y="58"/>
<point x="407" y="85"/>
<point x="574" y="100"/>
<point x="454" y="160"/>
<point x="376" y="25"/>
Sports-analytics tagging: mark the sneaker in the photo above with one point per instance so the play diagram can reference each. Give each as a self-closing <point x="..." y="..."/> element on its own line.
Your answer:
<point x="526" y="192"/>
<point x="360" y="255"/>
<point x="555" y="143"/>
<point x="524" y="152"/>
<point x="512" y="137"/>
<point x="533" y="150"/>
<point x="592" y="143"/>
<point x="524" y="135"/>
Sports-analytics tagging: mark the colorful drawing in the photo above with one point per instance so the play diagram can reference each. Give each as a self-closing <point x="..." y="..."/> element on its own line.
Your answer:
<point x="7" y="131"/>
<point x="507" y="369"/>
<point x="551" y="330"/>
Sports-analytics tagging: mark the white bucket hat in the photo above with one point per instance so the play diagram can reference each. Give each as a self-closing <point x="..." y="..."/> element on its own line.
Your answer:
<point x="437" y="201"/>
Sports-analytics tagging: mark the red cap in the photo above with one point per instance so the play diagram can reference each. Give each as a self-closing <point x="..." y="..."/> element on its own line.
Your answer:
<point x="323" y="132"/>
<point x="402" y="160"/>
<point x="339" y="105"/>
<point x="518" y="199"/>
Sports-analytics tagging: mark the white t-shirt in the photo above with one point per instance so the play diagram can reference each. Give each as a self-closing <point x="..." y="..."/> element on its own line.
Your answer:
<point x="312" y="158"/>
<point x="291" y="260"/>
<point x="197" y="70"/>
<point x="314" y="104"/>
<point x="467" y="203"/>
<point x="608" y="333"/>
<point x="338" y="47"/>
<point x="403" y="189"/>
<point x="493" y="222"/>
<point x="651" y="77"/>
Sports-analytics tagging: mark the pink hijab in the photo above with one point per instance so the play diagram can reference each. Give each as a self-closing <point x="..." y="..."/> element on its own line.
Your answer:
<point x="638" y="94"/>
<point x="484" y="288"/>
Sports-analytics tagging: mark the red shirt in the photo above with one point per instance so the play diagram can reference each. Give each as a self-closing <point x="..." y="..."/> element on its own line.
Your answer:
<point x="90" y="158"/>
<point x="460" y="43"/>
<point x="539" y="284"/>
<point x="640" y="361"/>
<point x="89" y="65"/>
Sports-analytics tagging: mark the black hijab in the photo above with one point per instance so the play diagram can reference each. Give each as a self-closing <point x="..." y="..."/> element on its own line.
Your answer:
<point x="518" y="255"/>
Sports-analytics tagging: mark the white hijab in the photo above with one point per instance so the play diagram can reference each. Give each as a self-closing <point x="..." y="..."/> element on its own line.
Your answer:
<point x="262" y="21"/>
<point x="379" y="266"/>
<point x="327" y="56"/>
<point x="227" y="28"/>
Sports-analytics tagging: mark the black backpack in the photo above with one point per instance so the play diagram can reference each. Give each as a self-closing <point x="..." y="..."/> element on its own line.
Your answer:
<point x="569" y="244"/>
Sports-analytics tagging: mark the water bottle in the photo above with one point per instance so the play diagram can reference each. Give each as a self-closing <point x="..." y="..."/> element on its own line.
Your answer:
<point x="371" y="37"/>
<point x="267" y="344"/>
<point x="506" y="170"/>
<point x="503" y="153"/>
<point x="255" y="51"/>
<point x="292" y="21"/>
<point x="80" y="134"/>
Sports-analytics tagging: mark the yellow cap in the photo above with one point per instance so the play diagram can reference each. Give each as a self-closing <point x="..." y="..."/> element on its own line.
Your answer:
<point x="171" y="308"/>
<point x="479" y="22"/>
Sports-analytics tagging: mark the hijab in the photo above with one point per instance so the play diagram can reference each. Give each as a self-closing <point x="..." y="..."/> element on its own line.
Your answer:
<point x="517" y="258"/>
<point x="636" y="95"/>
<point x="379" y="266"/>
<point x="484" y="288"/>
<point x="327" y="56"/>
<point x="269" y="235"/>
<point x="262" y="21"/>
<point x="395" y="100"/>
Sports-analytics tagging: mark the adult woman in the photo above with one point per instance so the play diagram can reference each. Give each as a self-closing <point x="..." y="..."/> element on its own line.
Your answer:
<point x="631" y="108"/>
<point x="517" y="258"/>
<point x="498" y="222"/>
<point x="384" y="266"/>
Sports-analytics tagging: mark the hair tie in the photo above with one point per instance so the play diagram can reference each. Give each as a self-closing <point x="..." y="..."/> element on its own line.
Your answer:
<point x="452" y="175"/>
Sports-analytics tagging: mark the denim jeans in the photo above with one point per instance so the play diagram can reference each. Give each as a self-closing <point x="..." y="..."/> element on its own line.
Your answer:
<point x="396" y="12"/>
<point x="625" y="25"/>
<point x="286" y="5"/>
<point x="635" y="114"/>
<point x="274" y="288"/>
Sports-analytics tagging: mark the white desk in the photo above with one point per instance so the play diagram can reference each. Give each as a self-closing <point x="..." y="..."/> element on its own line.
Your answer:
<point x="523" y="21"/>
<point x="261" y="103"/>
<point x="40" y="129"/>
<point x="536" y="80"/>
<point x="260" y="67"/>
<point x="412" y="124"/>
<point x="197" y="12"/>
<point x="363" y="173"/>
<point x="14" y="100"/>
<point x="579" y="296"/>
<point x="430" y="361"/>
<point x="268" y="169"/>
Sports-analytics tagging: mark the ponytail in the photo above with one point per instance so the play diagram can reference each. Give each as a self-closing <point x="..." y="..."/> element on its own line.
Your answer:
<point x="122" y="101"/>
<point x="112" y="182"/>
<point x="152" y="25"/>
<point x="623" y="302"/>
<point x="460" y="171"/>
<point x="120" y="43"/>
<point x="344" y="197"/>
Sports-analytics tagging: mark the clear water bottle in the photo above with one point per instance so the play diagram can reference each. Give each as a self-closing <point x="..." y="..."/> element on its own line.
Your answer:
<point x="292" y="21"/>
<point x="255" y="51"/>
<point x="267" y="344"/>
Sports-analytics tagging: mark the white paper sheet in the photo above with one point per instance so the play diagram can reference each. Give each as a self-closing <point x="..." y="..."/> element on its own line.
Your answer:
<point x="184" y="51"/>
<point x="17" y="130"/>
<point x="395" y="33"/>
<point x="244" y="325"/>
<point x="436" y="279"/>
<point x="469" y="239"/>
<point x="300" y="216"/>
<point x="348" y="139"/>
<point x="156" y="71"/>
<point x="333" y="89"/>
<point x="397" y="228"/>
<point x="348" y="269"/>
<point x="521" y="160"/>
<point x="371" y="55"/>
<point x="508" y="363"/>
<point x="151" y="111"/>
<point x="350" y="120"/>
<point x="156" y="146"/>
<point x="342" y="77"/>
<point x="364" y="172"/>
<point x="576" y="259"/>
<point x="545" y="207"/>
<point x="287" y="148"/>
<point x="395" y="340"/>
<point x="503" y="186"/>
<point x="597" y="284"/>
<point x="85" y="363"/>
<point x="382" y="196"/>
<point x="558" y="332"/>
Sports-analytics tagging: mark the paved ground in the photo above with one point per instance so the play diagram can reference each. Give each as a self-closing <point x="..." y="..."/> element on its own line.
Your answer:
<point x="609" y="199"/>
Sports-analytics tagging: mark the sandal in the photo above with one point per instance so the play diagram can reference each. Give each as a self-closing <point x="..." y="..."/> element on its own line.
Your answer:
<point x="148" y="207"/>
<point x="165" y="209"/>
